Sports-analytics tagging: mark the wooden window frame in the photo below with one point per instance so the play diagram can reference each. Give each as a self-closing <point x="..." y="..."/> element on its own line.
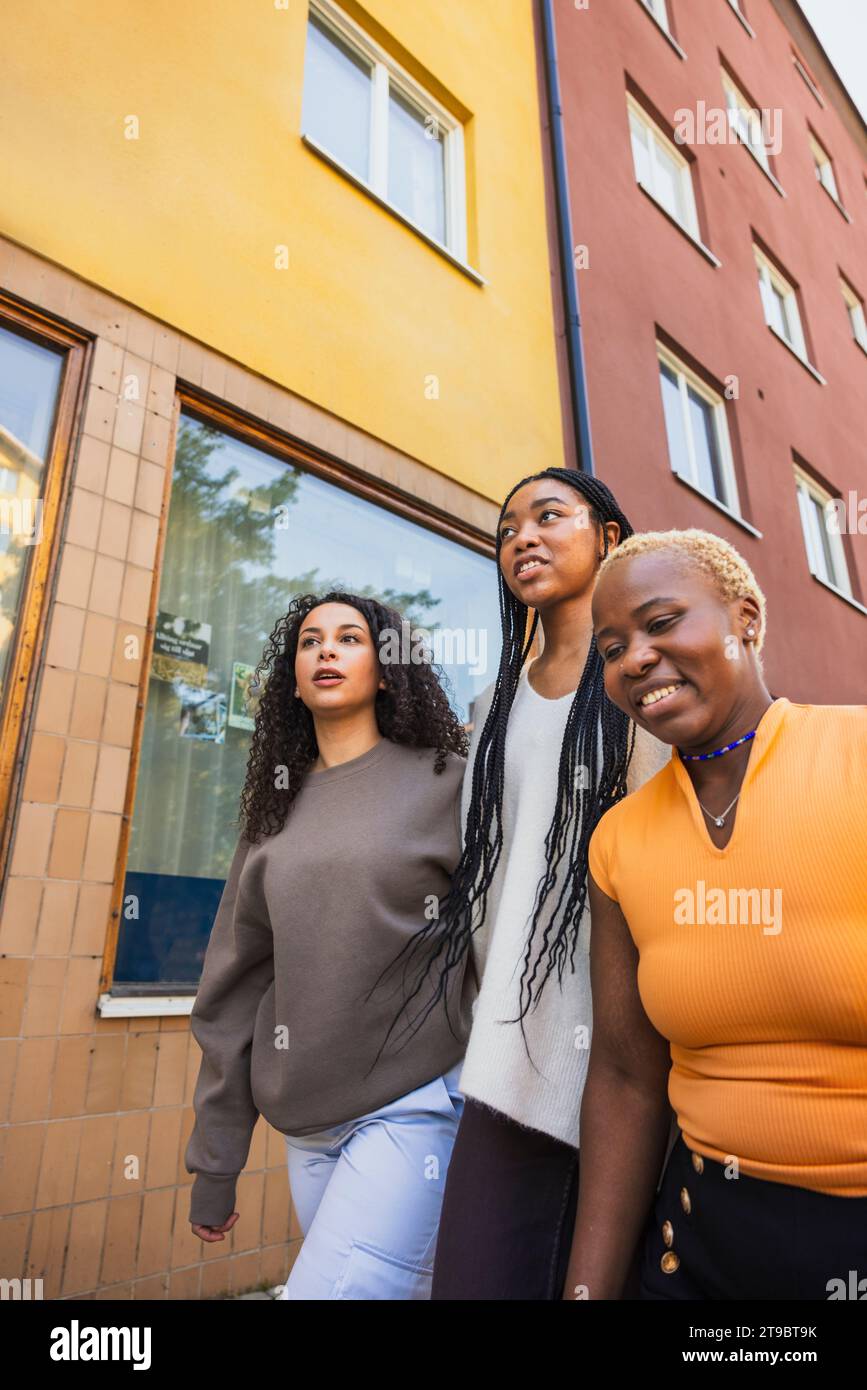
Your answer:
<point x="143" y="999"/>
<point x="31" y="628"/>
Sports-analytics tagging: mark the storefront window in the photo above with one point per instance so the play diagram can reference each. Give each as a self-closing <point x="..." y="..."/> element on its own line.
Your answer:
<point x="246" y="533"/>
<point x="29" y="384"/>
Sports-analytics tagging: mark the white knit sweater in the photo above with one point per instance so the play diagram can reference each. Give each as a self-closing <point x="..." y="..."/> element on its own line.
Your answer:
<point x="497" y="1071"/>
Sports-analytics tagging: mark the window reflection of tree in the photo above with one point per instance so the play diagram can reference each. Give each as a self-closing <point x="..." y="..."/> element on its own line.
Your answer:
<point x="220" y="554"/>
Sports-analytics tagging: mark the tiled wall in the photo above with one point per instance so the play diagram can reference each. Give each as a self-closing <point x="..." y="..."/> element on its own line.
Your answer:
<point x="82" y="1098"/>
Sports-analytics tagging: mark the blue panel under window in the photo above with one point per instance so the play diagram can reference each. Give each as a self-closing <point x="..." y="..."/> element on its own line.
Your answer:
<point x="167" y="938"/>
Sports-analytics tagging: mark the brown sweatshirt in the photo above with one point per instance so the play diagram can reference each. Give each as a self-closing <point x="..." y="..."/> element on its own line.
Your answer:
<point x="308" y="919"/>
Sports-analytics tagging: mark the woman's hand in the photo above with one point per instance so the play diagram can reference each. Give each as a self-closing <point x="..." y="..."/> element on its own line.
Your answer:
<point x="625" y="1114"/>
<point x="210" y="1233"/>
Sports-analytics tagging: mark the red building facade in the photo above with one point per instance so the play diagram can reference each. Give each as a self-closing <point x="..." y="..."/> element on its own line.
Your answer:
<point x="721" y="264"/>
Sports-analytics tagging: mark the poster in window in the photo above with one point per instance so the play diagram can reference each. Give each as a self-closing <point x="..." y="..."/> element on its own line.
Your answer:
<point x="244" y="696"/>
<point x="181" y="650"/>
<point x="202" y="713"/>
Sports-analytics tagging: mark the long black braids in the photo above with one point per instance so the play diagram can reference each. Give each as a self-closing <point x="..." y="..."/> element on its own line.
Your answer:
<point x="587" y="786"/>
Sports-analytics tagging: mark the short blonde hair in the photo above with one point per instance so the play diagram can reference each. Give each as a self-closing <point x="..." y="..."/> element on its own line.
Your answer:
<point x="714" y="556"/>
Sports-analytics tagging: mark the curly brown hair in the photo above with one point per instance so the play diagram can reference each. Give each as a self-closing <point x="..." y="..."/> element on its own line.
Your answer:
<point x="413" y="709"/>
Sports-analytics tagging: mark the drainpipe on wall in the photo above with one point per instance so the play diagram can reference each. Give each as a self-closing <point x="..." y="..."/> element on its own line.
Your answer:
<point x="575" y="347"/>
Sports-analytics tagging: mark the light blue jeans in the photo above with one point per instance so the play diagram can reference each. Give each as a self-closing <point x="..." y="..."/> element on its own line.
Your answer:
<point x="368" y="1195"/>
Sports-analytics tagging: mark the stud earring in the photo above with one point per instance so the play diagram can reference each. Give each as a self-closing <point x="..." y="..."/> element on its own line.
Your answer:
<point x="751" y="632"/>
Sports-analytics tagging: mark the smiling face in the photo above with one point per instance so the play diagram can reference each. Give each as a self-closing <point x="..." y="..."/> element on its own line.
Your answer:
<point x="678" y="658"/>
<point x="337" y="669"/>
<point x="549" y="543"/>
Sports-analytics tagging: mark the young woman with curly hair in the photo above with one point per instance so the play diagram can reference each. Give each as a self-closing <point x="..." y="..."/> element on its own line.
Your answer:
<point x="350" y="834"/>
<point x="729" y="957"/>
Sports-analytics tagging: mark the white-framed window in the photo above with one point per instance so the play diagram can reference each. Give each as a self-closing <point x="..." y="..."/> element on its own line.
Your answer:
<point x="780" y="304"/>
<point x="820" y="524"/>
<point x="737" y="6"/>
<point x="855" y="309"/>
<point x="661" y="169"/>
<point x="806" y="76"/>
<point x="659" y="10"/>
<point x="375" y="122"/>
<point x="699" y="448"/>
<point x="824" y="167"/>
<point x="746" y="120"/>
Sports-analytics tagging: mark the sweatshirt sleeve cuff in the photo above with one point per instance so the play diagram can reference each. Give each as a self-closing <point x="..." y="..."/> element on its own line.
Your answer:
<point x="212" y="1199"/>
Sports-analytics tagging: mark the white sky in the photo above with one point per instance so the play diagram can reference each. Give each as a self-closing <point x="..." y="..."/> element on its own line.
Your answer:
<point x="841" y="27"/>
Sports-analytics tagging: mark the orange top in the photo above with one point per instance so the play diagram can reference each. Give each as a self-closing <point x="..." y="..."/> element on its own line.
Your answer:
<point x="753" y="958"/>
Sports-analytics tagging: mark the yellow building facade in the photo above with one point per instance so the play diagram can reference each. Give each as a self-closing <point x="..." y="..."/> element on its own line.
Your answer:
<point x="162" y="160"/>
<point x="275" y="315"/>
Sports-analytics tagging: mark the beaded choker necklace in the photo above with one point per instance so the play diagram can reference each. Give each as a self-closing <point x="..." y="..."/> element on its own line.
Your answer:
<point x="717" y="753"/>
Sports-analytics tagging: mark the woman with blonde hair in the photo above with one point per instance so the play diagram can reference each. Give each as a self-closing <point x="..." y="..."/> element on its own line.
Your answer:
<point x="728" y="956"/>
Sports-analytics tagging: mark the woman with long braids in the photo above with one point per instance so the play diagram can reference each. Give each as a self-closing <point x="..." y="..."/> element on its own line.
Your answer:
<point x="350" y="834"/>
<point x="549" y="754"/>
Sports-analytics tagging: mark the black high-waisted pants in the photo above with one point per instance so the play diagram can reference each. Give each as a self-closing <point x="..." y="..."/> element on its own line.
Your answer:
<point x="508" y="1211"/>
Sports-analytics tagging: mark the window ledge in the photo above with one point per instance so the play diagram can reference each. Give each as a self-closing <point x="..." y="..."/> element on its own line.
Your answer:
<point x="767" y="173"/>
<point x="684" y="231"/>
<point x="323" y="154"/>
<point x="720" y="506"/>
<point x="847" y="598"/>
<point x="662" y="29"/>
<point x="144" y="1005"/>
<point x="799" y="69"/>
<point x="836" y="201"/>
<point x="743" y="19"/>
<point x="808" y="366"/>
